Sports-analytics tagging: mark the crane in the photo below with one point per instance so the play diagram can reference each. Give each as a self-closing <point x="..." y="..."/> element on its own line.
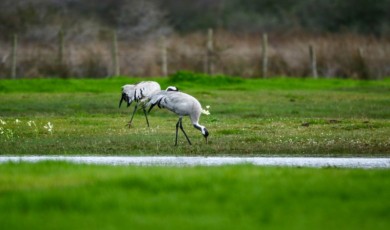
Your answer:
<point x="141" y="93"/>
<point x="181" y="104"/>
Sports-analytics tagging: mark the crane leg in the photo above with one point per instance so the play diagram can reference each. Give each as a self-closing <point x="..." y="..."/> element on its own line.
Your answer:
<point x="177" y="129"/>
<point x="185" y="134"/>
<point x="146" y="115"/>
<point x="132" y="116"/>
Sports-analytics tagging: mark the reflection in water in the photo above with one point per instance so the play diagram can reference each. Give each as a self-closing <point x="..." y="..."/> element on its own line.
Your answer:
<point x="210" y="161"/>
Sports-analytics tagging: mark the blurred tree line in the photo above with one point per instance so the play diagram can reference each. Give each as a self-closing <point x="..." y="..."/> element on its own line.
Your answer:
<point x="86" y="19"/>
<point x="361" y="16"/>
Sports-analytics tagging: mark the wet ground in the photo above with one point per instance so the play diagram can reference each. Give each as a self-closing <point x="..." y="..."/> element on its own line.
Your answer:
<point x="317" y="162"/>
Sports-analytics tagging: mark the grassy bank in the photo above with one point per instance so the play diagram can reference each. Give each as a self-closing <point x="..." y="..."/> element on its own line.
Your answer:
<point x="66" y="196"/>
<point x="256" y="116"/>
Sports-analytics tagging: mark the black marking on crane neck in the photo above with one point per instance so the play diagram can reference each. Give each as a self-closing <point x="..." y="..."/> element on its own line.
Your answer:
<point x="204" y="131"/>
<point x="198" y="127"/>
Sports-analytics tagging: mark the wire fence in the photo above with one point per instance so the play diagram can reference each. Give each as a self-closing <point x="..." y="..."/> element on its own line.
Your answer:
<point x="212" y="52"/>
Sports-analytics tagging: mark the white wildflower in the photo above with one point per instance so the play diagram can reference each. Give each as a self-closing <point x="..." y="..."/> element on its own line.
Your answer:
<point x="9" y="134"/>
<point x="49" y="127"/>
<point x="31" y="123"/>
<point x="206" y="111"/>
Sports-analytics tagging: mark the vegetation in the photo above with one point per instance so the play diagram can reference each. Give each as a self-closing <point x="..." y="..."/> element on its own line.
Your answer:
<point x="65" y="196"/>
<point x="338" y="55"/>
<point x="268" y="15"/>
<point x="266" y="117"/>
<point x="42" y="19"/>
<point x="68" y="38"/>
<point x="248" y="117"/>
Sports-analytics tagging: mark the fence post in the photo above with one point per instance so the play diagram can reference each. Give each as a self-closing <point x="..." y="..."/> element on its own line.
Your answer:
<point x="313" y="61"/>
<point x="360" y="66"/>
<point x="60" y="47"/>
<point x="210" y="53"/>
<point x="164" y="57"/>
<point x="264" y="55"/>
<point x="14" y="54"/>
<point x="114" y="53"/>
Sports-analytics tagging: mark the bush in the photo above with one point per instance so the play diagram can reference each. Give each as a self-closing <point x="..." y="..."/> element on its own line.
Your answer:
<point x="202" y="79"/>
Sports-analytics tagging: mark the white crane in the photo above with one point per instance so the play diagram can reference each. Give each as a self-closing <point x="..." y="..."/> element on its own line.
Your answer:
<point x="140" y="93"/>
<point x="183" y="105"/>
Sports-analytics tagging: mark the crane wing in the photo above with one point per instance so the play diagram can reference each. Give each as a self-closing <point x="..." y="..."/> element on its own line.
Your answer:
<point x="156" y="100"/>
<point x="139" y="92"/>
<point x="145" y="89"/>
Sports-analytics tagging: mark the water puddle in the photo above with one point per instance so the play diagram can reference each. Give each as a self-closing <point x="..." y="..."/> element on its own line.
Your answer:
<point x="317" y="162"/>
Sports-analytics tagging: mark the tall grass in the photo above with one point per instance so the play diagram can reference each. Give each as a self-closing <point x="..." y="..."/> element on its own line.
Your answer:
<point x="65" y="196"/>
<point x="338" y="55"/>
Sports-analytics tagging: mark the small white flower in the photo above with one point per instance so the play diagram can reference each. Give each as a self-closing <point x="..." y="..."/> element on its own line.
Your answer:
<point x="31" y="123"/>
<point x="49" y="127"/>
<point x="206" y="112"/>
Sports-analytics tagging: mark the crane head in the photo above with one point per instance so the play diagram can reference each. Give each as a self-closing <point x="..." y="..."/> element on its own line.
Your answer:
<point x="202" y="129"/>
<point x="205" y="133"/>
<point x="125" y="97"/>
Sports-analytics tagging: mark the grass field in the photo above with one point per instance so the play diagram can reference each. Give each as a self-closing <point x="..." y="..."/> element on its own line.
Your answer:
<point x="297" y="117"/>
<point x="64" y="196"/>
<point x="324" y="117"/>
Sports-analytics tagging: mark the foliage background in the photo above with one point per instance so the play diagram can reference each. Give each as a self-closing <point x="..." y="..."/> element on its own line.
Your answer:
<point x="41" y="19"/>
<point x="352" y="38"/>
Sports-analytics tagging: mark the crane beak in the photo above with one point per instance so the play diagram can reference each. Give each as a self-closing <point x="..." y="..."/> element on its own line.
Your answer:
<point x="205" y="133"/>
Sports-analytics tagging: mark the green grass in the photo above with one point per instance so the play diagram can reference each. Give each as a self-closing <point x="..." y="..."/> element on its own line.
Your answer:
<point x="281" y="116"/>
<point x="187" y="80"/>
<point x="65" y="196"/>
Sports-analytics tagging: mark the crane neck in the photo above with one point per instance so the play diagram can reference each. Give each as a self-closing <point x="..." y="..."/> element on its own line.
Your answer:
<point x="202" y="129"/>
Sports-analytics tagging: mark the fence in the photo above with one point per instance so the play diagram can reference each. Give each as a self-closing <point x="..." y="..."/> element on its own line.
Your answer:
<point x="349" y="56"/>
